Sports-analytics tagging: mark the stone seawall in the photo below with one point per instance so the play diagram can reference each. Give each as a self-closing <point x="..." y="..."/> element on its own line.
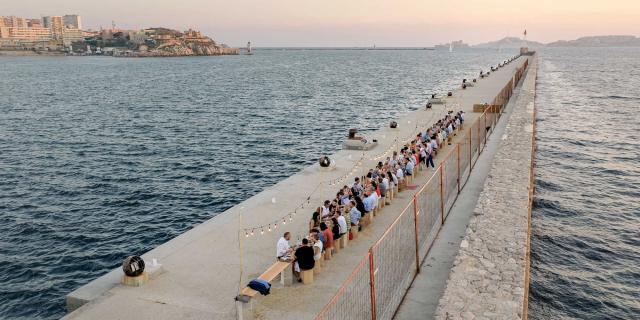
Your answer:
<point x="489" y="279"/>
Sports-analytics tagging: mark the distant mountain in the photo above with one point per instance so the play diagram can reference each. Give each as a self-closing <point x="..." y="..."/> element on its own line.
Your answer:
<point x="599" y="41"/>
<point x="510" y="43"/>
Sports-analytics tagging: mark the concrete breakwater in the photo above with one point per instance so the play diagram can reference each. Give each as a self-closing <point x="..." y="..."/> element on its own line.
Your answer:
<point x="490" y="277"/>
<point x="205" y="266"/>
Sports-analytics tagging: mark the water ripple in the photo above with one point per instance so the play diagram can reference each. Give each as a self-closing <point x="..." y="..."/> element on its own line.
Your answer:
<point x="586" y="243"/>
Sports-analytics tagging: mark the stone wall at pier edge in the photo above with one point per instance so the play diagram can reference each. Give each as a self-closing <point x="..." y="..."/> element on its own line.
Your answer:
<point x="490" y="277"/>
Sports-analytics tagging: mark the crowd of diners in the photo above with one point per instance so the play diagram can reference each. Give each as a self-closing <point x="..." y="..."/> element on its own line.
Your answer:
<point x="351" y="208"/>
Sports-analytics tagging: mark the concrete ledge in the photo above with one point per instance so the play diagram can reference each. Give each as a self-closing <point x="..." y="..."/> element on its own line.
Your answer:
<point x="489" y="277"/>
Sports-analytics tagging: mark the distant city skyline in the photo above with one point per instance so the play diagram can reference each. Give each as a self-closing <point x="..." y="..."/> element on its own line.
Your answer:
<point x="353" y="22"/>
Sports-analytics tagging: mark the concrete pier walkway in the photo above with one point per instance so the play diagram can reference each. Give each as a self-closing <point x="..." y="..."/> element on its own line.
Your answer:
<point x="205" y="267"/>
<point x="428" y="287"/>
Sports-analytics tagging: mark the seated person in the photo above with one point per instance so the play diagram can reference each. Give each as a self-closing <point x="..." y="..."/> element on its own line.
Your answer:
<point x="283" y="246"/>
<point x="328" y="236"/>
<point x="304" y="259"/>
<point x="335" y="229"/>
<point x="355" y="214"/>
<point x="317" y="246"/>
<point x="409" y="167"/>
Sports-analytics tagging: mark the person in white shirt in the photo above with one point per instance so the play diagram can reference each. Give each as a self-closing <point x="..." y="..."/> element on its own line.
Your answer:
<point x="283" y="248"/>
<point x="325" y="209"/>
<point x="317" y="246"/>
<point x="342" y="224"/>
<point x="399" y="173"/>
<point x="372" y="200"/>
<point x="409" y="167"/>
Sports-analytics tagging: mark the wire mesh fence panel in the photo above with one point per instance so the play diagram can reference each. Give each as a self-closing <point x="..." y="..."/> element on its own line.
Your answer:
<point x="475" y="143"/>
<point x="429" y="213"/>
<point x="353" y="300"/>
<point x="450" y="181"/>
<point x="394" y="263"/>
<point x="491" y="121"/>
<point x="465" y="161"/>
<point x="483" y="131"/>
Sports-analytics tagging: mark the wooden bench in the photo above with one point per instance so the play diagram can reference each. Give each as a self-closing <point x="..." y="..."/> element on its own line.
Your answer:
<point x="342" y="242"/>
<point x="247" y="293"/>
<point x="307" y="276"/>
<point x="318" y="263"/>
<point x="276" y="269"/>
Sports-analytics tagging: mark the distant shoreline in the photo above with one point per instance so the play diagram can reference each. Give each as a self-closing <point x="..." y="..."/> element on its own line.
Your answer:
<point x="342" y="48"/>
<point x="29" y="53"/>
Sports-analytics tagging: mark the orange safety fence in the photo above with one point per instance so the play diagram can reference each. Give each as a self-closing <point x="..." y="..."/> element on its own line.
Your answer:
<point x="375" y="289"/>
<point x="429" y="215"/>
<point x="475" y="142"/>
<point x="449" y="181"/>
<point x="353" y="300"/>
<point x="394" y="260"/>
<point x="464" y="159"/>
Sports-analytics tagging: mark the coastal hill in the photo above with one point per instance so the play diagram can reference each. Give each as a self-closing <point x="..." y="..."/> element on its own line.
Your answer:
<point x="599" y="41"/>
<point x="510" y="43"/>
<point x="151" y="42"/>
<point x="595" y="41"/>
<point x="164" y="42"/>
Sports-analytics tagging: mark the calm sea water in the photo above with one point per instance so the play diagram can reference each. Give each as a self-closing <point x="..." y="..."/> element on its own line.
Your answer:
<point x="586" y="218"/>
<point x="101" y="158"/>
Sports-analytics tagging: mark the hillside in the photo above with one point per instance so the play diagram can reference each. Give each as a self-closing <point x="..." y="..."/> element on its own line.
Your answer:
<point x="599" y="41"/>
<point x="509" y="43"/>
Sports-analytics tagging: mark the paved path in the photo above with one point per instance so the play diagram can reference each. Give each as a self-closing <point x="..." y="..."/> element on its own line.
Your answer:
<point x="422" y="298"/>
<point x="203" y="267"/>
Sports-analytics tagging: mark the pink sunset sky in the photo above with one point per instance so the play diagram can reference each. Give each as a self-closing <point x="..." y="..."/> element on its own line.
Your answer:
<point x="353" y="22"/>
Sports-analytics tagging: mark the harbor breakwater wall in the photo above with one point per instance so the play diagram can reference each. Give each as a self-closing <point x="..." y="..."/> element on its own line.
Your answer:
<point x="204" y="268"/>
<point x="490" y="277"/>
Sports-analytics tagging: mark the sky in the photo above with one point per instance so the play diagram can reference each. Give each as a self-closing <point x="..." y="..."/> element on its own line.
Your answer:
<point x="309" y="23"/>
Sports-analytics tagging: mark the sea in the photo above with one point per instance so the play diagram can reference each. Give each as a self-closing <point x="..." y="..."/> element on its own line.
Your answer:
<point x="585" y="247"/>
<point x="102" y="158"/>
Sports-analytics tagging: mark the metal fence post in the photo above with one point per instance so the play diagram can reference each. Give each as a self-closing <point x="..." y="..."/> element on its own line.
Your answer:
<point x="415" y="216"/>
<point x="485" y="129"/>
<point x="470" y="151"/>
<point x="458" y="150"/>
<point x="372" y="282"/>
<point x="442" y="191"/>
